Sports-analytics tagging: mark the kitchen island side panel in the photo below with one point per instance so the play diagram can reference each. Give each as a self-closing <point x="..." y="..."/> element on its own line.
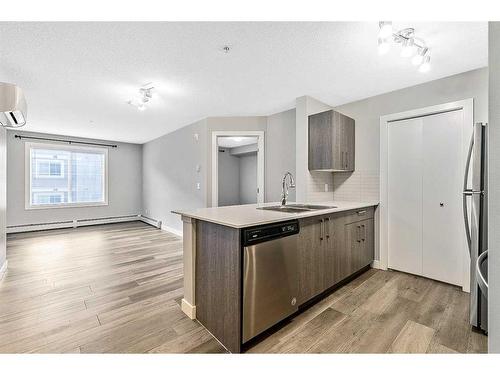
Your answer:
<point x="218" y="282"/>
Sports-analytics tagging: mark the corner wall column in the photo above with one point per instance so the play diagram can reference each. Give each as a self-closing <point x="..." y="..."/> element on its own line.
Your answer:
<point x="189" y="255"/>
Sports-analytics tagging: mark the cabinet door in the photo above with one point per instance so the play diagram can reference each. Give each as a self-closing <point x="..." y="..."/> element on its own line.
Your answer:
<point x="320" y="141"/>
<point x="331" y="250"/>
<point x="341" y="250"/>
<point x="311" y="245"/>
<point x="352" y="247"/>
<point x="348" y="142"/>
<point x="360" y="241"/>
<point x="366" y="252"/>
<point x="338" y="152"/>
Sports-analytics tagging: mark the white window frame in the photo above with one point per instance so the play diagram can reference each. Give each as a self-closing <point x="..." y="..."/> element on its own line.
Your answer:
<point x="50" y="161"/>
<point x="52" y="146"/>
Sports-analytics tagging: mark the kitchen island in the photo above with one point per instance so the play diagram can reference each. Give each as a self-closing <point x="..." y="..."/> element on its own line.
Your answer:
<point x="332" y="245"/>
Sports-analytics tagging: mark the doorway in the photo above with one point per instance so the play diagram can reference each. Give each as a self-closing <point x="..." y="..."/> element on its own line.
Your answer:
<point x="422" y="167"/>
<point x="237" y="168"/>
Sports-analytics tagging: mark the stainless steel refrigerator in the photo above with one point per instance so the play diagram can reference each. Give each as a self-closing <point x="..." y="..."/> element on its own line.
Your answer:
<point x="476" y="224"/>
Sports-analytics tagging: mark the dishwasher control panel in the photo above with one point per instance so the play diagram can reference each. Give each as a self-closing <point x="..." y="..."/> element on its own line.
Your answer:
<point x="269" y="232"/>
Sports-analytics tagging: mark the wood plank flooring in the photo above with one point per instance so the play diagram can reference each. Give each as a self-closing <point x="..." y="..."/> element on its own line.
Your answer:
<point x="117" y="288"/>
<point x="111" y="288"/>
<point x="382" y="312"/>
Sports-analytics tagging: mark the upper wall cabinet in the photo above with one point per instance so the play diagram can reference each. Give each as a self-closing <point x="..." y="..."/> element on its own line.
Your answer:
<point x="331" y="142"/>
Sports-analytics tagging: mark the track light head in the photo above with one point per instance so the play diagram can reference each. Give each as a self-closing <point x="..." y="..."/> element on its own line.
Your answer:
<point x="408" y="47"/>
<point x="385" y="29"/>
<point x="420" y="56"/>
<point x="426" y="65"/>
<point x="383" y="46"/>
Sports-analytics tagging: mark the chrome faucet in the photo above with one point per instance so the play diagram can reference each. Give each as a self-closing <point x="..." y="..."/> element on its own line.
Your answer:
<point x="285" y="187"/>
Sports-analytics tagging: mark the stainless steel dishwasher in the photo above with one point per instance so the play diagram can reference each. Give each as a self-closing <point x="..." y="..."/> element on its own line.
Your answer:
<point x="270" y="281"/>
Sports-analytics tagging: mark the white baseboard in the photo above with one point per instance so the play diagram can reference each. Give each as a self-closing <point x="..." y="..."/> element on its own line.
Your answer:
<point x="159" y="224"/>
<point x="3" y="269"/>
<point x="150" y="221"/>
<point x="188" y="309"/>
<point x="376" y="264"/>
<point x="71" y="223"/>
<point x="177" y="232"/>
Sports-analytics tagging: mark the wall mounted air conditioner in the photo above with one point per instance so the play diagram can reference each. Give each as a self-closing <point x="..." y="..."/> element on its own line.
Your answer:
<point x="13" y="107"/>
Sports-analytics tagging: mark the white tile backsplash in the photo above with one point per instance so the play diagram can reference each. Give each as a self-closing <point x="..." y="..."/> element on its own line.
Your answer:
<point x="357" y="186"/>
<point x="316" y="186"/>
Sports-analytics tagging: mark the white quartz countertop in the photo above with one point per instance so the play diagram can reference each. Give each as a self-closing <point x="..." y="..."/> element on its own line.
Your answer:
<point x="248" y="215"/>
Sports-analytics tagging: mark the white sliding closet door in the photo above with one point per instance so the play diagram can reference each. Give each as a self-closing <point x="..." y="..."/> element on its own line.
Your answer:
<point x="442" y="197"/>
<point x="424" y="196"/>
<point x="405" y="196"/>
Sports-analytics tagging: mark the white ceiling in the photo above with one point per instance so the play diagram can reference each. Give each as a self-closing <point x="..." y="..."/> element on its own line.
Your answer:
<point x="77" y="77"/>
<point x="231" y="142"/>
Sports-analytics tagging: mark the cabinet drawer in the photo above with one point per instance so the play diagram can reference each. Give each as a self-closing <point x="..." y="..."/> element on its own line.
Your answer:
<point x="359" y="214"/>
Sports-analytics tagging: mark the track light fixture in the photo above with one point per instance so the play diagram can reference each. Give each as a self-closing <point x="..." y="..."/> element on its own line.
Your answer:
<point x="410" y="45"/>
<point x="143" y="98"/>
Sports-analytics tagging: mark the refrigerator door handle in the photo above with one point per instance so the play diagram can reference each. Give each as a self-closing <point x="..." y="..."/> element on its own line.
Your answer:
<point x="467" y="192"/>
<point x="483" y="284"/>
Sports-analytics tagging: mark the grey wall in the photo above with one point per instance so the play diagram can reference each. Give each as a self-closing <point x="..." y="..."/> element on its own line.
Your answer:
<point x="170" y="174"/>
<point x="229" y="178"/>
<point x="237" y="176"/>
<point x="280" y="153"/>
<point x="248" y="178"/>
<point x="363" y="184"/>
<point x="124" y="184"/>
<point x="494" y="190"/>
<point x="223" y="124"/>
<point x="310" y="185"/>
<point x="169" y="163"/>
<point x="241" y="150"/>
<point x="3" y="195"/>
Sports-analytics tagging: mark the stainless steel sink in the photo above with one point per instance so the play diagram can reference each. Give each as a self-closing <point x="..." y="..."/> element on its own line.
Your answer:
<point x="296" y="208"/>
<point x="311" y="206"/>
<point x="284" y="209"/>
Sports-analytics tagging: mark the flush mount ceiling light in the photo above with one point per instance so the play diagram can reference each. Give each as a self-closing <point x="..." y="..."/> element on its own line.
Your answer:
<point x="143" y="98"/>
<point x="410" y="45"/>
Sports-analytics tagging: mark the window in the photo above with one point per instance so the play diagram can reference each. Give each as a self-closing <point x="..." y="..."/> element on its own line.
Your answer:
<point x="65" y="176"/>
<point x="49" y="168"/>
<point x="47" y="198"/>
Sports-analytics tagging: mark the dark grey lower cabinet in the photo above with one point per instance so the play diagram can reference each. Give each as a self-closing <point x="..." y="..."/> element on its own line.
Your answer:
<point x="359" y="241"/>
<point x="218" y="282"/>
<point x="311" y="258"/>
<point x="332" y="248"/>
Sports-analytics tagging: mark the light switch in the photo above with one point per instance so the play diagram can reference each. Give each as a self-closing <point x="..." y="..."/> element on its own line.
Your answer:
<point x="326" y="187"/>
<point x="198" y="186"/>
<point x="196" y="136"/>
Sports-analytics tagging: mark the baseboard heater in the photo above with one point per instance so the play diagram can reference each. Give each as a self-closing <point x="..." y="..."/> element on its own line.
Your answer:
<point x="80" y="223"/>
